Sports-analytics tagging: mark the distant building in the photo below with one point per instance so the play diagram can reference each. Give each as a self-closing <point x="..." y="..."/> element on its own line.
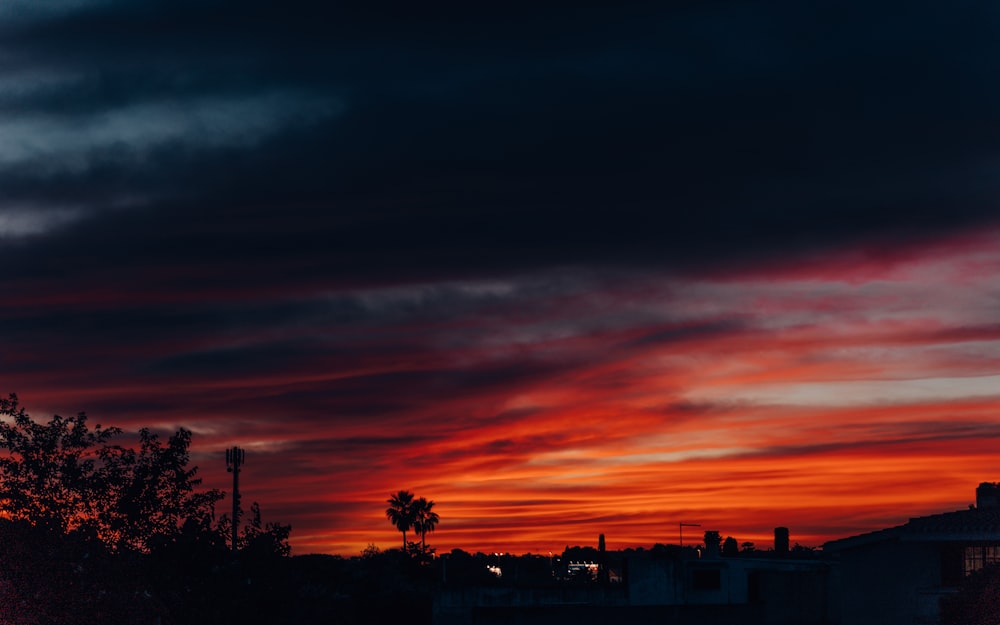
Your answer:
<point x="899" y="575"/>
<point x="663" y="585"/>
<point x="893" y="576"/>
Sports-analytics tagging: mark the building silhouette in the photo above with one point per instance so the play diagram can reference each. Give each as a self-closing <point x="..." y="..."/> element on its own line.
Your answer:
<point x="894" y="576"/>
<point x="900" y="575"/>
<point x="667" y="584"/>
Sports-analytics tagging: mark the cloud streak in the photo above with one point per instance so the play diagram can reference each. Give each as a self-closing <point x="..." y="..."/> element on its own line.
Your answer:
<point x="566" y="271"/>
<point x="567" y="407"/>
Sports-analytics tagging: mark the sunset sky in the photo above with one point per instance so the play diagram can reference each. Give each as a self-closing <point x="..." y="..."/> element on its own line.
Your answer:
<point x="566" y="270"/>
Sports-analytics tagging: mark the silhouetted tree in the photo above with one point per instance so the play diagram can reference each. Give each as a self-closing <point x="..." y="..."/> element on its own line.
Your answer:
<point x="401" y="512"/>
<point x="256" y="537"/>
<point x="729" y="547"/>
<point x="151" y="492"/>
<point x="800" y="551"/>
<point x="712" y="541"/>
<point x="977" y="601"/>
<point x="97" y="532"/>
<point x="66" y="476"/>
<point x="49" y="577"/>
<point x="424" y="519"/>
<point x="49" y="473"/>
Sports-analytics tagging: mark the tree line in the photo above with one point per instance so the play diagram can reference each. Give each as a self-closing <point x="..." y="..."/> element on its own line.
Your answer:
<point x="98" y="531"/>
<point x="66" y="476"/>
<point x="98" y="528"/>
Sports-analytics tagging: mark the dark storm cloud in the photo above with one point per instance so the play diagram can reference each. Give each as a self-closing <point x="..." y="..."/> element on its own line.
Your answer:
<point x="389" y="236"/>
<point x="181" y="178"/>
<point x="340" y="145"/>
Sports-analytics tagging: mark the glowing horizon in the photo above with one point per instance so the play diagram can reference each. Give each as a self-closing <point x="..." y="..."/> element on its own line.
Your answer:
<point x="563" y="270"/>
<point x="541" y="411"/>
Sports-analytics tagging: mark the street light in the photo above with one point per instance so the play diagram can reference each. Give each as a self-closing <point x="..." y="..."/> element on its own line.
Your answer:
<point x="680" y="530"/>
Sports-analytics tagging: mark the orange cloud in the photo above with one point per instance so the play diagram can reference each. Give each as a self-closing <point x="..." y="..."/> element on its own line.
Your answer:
<point x="543" y="411"/>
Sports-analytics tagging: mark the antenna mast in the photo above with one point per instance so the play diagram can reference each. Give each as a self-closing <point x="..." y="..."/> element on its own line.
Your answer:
<point x="235" y="457"/>
<point x="680" y="531"/>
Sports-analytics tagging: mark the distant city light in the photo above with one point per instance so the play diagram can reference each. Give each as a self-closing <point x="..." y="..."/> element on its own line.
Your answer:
<point x="582" y="568"/>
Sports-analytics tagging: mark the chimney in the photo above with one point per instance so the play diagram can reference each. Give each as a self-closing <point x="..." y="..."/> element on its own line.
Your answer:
<point x="781" y="541"/>
<point x="988" y="496"/>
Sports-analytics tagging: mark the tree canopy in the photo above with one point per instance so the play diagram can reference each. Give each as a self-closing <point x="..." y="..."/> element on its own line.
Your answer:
<point x="150" y="492"/>
<point x="400" y="512"/>
<point x="97" y="531"/>
<point x="406" y="513"/>
<point x="424" y="519"/>
<point x="50" y="476"/>
<point x="69" y="477"/>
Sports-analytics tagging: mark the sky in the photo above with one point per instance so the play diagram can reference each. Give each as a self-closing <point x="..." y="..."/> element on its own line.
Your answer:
<point x="563" y="268"/>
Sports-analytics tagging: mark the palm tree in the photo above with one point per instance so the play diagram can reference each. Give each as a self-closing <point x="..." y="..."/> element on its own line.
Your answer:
<point x="400" y="512"/>
<point x="424" y="519"/>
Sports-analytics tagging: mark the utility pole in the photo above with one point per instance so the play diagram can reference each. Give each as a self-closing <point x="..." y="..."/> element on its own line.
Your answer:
<point x="679" y="591"/>
<point x="234" y="460"/>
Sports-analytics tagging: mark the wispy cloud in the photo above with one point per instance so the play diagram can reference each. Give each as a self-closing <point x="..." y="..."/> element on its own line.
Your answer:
<point x="71" y="142"/>
<point x="565" y="272"/>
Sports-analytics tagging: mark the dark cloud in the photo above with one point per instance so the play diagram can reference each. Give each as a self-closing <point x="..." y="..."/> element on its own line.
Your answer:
<point x="315" y="219"/>
<point x="888" y="440"/>
<point x="353" y="145"/>
<point x="687" y="332"/>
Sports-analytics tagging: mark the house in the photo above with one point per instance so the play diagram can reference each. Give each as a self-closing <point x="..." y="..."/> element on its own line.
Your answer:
<point x="668" y="584"/>
<point x="899" y="575"/>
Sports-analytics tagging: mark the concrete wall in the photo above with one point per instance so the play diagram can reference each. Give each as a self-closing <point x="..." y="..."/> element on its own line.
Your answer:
<point x="604" y="615"/>
<point x="652" y="581"/>
<point x="794" y="597"/>
<point x="786" y="592"/>
<point x="890" y="583"/>
<point x="458" y="606"/>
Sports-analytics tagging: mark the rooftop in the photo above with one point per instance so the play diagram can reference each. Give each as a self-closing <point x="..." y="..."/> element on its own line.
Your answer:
<point x="973" y="524"/>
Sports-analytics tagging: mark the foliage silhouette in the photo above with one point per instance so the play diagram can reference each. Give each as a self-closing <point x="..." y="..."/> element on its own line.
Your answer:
<point x="97" y="532"/>
<point x="50" y="477"/>
<point x="977" y="600"/>
<point x="401" y="512"/>
<point x="730" y="547"/>
<point x="65" y="476"/>
<point x="406" y="512"/>
<point x="256" y="537"/>
<point x="424" y="519"/>
<point x="150" y="493"/>
<point x="712" y="541"/>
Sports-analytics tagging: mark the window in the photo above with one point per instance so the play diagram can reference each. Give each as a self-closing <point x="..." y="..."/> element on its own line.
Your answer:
<point x="753" y="587"/>
<point x="980" y="556"/>
<point x="952" y="564"/>
<point x="706" y="579"/>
